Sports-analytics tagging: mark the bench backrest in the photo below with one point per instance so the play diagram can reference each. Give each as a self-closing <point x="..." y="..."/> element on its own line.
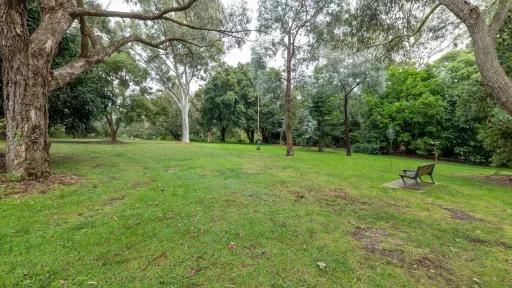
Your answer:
<point x="425" y="170"/>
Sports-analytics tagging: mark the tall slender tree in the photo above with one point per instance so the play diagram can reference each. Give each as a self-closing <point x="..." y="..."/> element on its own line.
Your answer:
<point x="285" y="24"/>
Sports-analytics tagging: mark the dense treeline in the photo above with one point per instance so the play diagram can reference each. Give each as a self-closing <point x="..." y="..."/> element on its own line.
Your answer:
<point x="391" y="105"/>
<point x="441" y="110"/>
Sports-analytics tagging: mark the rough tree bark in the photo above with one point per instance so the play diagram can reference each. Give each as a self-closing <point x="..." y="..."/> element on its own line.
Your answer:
<point x="113" y="126"/>
<point x="28" y="79"/>
<point x="26" y="83"/>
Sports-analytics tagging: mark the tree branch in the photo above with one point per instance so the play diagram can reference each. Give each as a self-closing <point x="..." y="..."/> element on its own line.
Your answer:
<point x="68" y="72"/>
<point x="398" y="38"/>
<point x="78" y="12"/>
<point x="499" y="18"/>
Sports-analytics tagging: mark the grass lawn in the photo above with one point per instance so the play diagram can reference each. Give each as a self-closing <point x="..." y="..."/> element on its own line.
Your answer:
<point x="160" y="214"/>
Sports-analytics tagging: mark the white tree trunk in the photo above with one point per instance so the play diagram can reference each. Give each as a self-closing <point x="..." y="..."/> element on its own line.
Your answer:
<point x="185" y="138"/>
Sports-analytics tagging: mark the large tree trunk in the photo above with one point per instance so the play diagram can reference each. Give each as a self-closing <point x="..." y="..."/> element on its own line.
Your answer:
<point x="27" y="78"/>
<point x="483" y="37"/>
<point x="113" y="127"/>
<point x="492" y="72"/>
<point x="223" y="134"/>
<point x="185" y="127"/>
<point x="26" y="90"/>
<point x="288" y="103"/>
<point x="348" y="145"/>
<point x="250" y="135"/>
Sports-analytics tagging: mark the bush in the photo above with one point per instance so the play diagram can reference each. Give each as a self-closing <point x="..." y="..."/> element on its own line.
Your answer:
<point x="497" y="138"/>
<point x="366" y="148"/>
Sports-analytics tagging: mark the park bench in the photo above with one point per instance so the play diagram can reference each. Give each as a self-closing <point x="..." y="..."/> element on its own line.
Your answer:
<point x="425" y="170"/>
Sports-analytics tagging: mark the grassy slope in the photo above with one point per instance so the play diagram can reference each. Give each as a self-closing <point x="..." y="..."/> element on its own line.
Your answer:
<point x="161" y="214"/>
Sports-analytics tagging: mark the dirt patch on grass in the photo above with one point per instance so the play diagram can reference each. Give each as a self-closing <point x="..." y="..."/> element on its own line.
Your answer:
<point x="483" y="242"/>
<point x="499" y="179"/>
<point x="172" y="170"/>
<point x="114" y="201"/>
<point x="374" y="240"/>
<point x="387" y="245"/>
<point x="299" y="196"/>
<point x="32" y="187"/>
<point x="139" y="184"/>
<point x="462" y="215"/>
<point x="339" y="194"/>
<point x="435" y="268"/>
<point x="430" y="263"/>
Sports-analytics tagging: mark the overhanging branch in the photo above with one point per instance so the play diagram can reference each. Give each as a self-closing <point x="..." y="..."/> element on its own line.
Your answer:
<point x="78" y="12"/>
<point x="399" y="38"/>
<point x="68" y="72"/>
<point x="500" y="16"/>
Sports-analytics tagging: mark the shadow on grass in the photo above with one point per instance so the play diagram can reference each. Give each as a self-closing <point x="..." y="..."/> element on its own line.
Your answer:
<point x="87" y="141"/>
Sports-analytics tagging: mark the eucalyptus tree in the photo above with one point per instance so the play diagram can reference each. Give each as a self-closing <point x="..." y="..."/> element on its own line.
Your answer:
<point x="176" y="68"/>
<point x="285" y="25"/>
<point x="482" y="19"/>
<point x="27" y="57"/>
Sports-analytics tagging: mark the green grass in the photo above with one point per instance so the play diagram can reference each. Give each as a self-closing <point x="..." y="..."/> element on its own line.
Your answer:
<point x="159" y="214"/>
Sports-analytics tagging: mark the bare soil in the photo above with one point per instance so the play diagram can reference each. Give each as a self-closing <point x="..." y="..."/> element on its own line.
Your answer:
<point x="372" y="240"/>
<point x="31" y="187"/>
<point x="462" y="215"/>
<point x="499" y="179"/>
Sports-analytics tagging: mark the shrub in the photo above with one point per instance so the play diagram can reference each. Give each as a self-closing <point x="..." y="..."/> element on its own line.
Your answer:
<point x="366" y="148"/>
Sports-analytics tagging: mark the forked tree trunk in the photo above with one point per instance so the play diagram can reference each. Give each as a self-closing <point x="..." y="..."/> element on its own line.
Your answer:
<point x="27" y="78"/>
<point x="348" y="144"/>
<point x="185" y="126"/>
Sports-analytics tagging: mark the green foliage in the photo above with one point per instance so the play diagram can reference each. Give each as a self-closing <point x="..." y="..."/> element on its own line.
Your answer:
<point x="504" y="45"/>
<point x="367" y="148"/>
<point x="442" y="108"/>
<point x="80" y="103"/>
<point x="269" y="89"/>
<point x="497" y="137"/>
<point x="325" y="108"/>
<point x="230" y="101"/>
<point x="411" y="105"/>
<point x="128" y="101"/>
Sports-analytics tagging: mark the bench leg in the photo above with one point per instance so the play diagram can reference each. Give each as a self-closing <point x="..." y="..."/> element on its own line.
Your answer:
<point x="432" y="178"/>
<point x="403" y="180"/>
